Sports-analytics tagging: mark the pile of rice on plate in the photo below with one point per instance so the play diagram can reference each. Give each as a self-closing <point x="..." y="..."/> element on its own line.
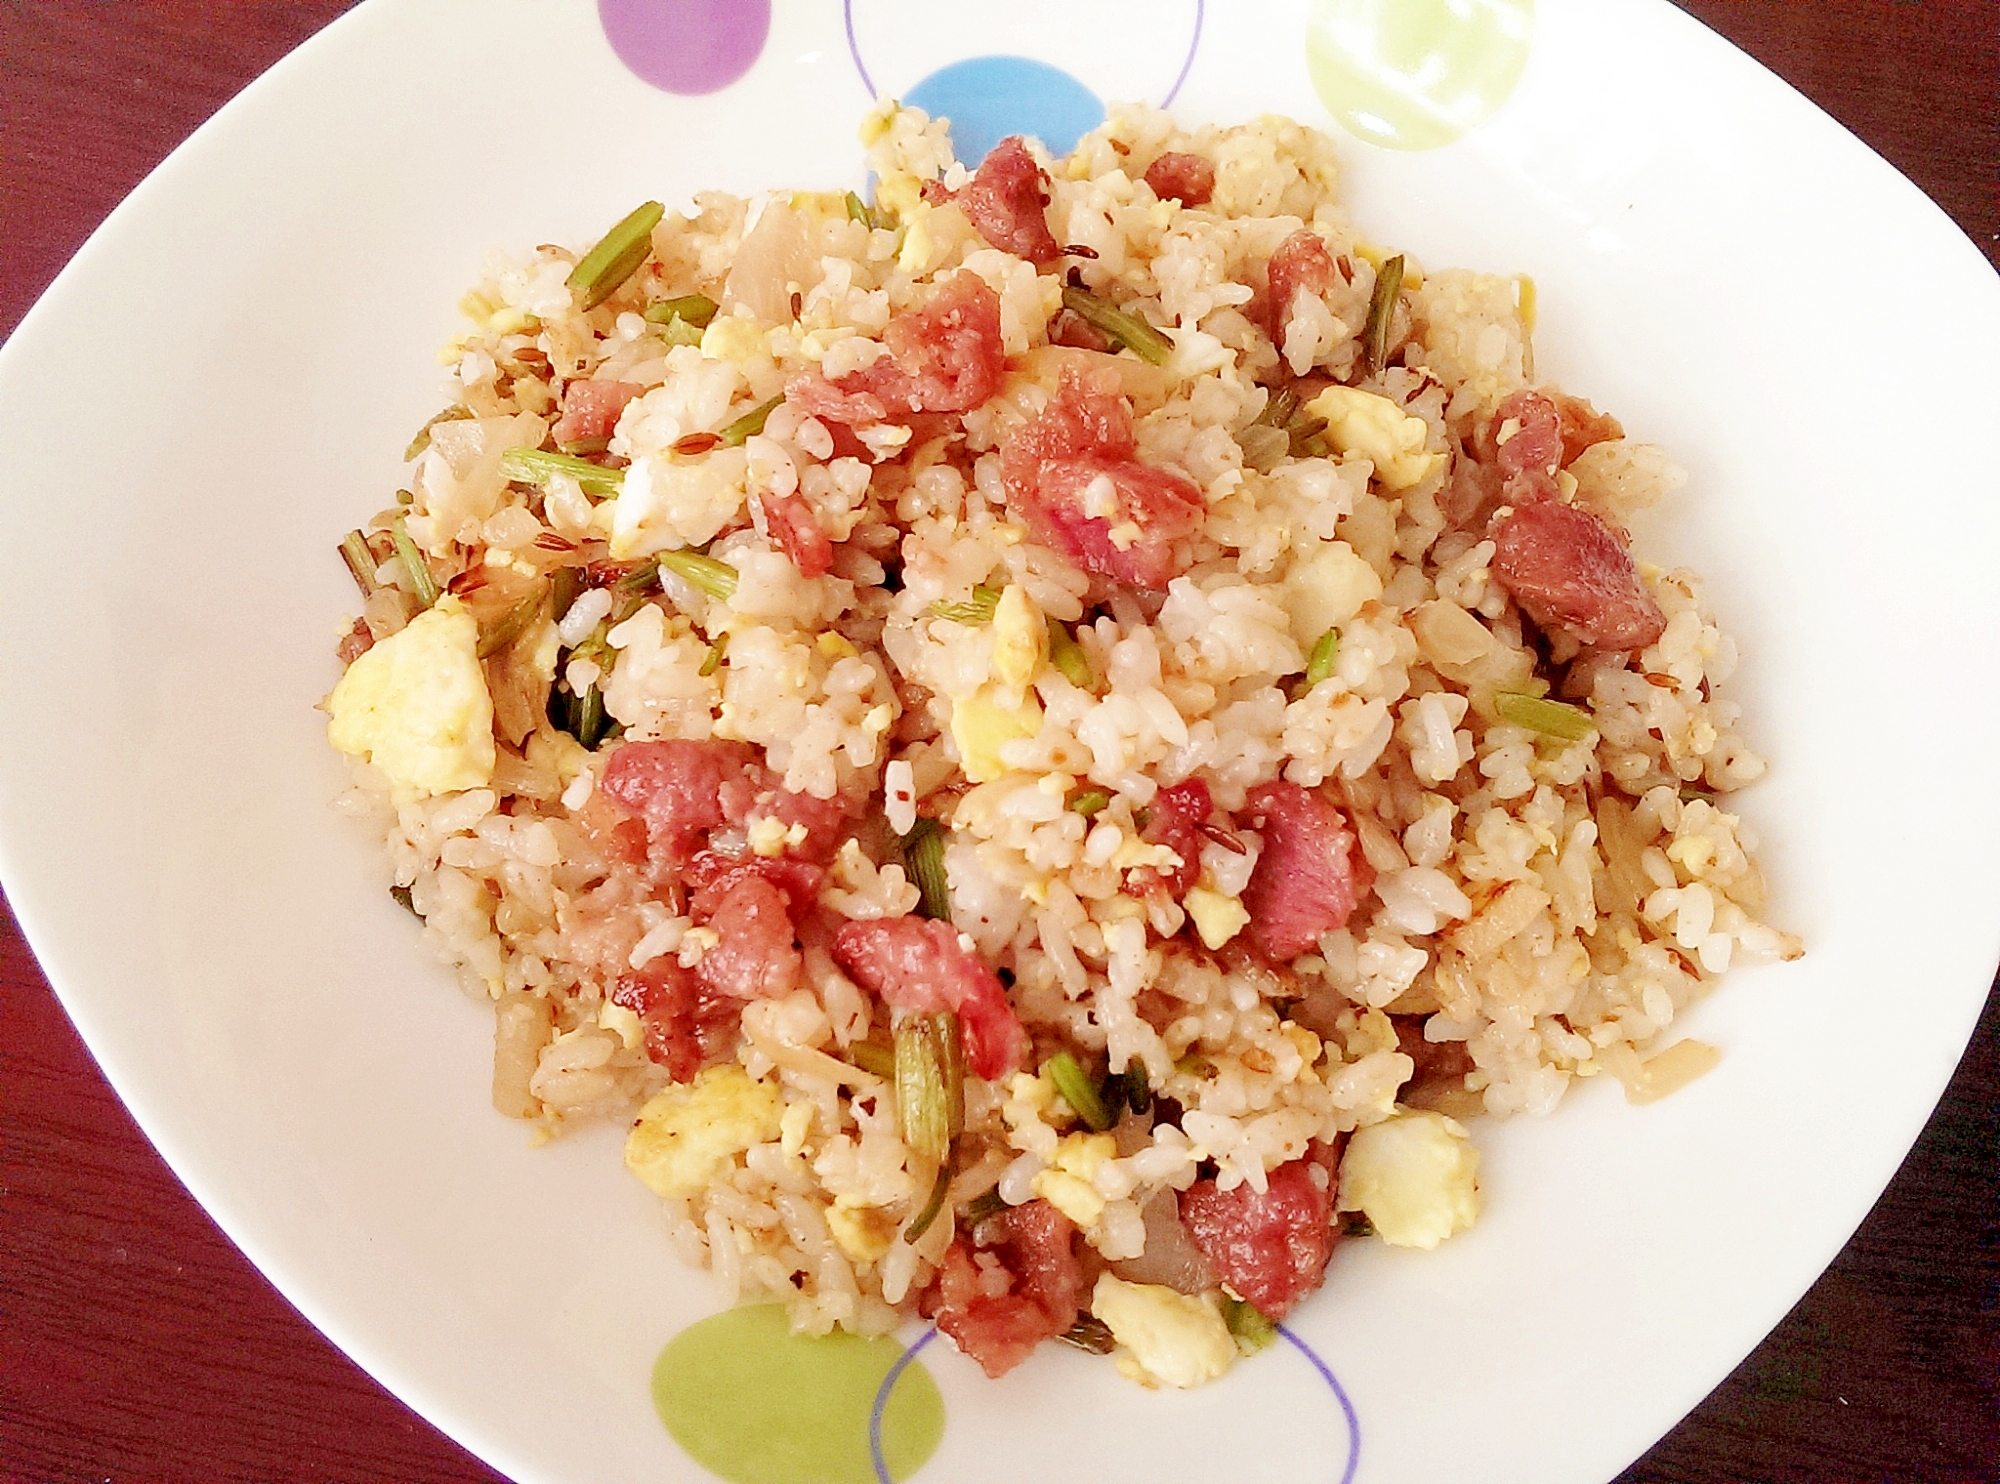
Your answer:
<point x="1050" y="740"/>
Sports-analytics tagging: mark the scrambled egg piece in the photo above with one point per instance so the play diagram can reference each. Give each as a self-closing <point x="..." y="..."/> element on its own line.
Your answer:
<point x="864" y="1233"/>
<point x="1065" y="1184"/>
<point x="1378" y="430"/>
<point x="1216" y="917"/>
<point x="986" y="720"/>
<point x="669" y="503"/>
<point x="687" y="1133"/>
<point x="735" y="338"/>
<point x="916" y="255"/>
<point x="1414" y="1177"/>
<point x="1327" y="589"/>
<point x="1020" y="638"/>
<point x="416" y="706"/>
<point x="624" y="1022"/>
<point x="1170" y="1339"/>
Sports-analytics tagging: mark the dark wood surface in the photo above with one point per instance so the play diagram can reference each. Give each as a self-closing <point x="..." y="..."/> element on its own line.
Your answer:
<point x="137" y="1345"/>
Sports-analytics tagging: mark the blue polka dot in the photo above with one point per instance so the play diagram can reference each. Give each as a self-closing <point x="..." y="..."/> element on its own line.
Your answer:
<point x="988" y="98"/>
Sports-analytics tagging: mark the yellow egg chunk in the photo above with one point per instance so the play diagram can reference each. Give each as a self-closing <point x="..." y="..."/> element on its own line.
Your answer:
<point x="986" y="720"/>
<point x="865" y="1233"/>
<point x="1216" y="917"/>
<point x="1171" y="1339"/>
<point x="1414" y="1176"/>
<point x="687" y="1133"/>
<point x="416" y="706"/>
<point x="1327" y="589"/>
<point x="1020" y="638"/>
<point x="1375" y="428"/>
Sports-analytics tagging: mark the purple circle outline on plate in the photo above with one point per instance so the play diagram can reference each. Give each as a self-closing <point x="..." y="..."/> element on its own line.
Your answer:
<point x="883" y="1476"/>
<point x="1187" y="63"/>
<point x="687" y="47"/>
<point x="881" y="1405"/>
<point x="1340" y="1395"/>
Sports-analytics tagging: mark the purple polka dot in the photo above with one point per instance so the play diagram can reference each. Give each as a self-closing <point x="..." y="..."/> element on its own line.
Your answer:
<point x="686" y="46"/>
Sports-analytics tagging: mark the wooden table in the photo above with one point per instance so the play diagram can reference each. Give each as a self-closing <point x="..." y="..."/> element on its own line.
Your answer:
<point x="136" y="1344"/>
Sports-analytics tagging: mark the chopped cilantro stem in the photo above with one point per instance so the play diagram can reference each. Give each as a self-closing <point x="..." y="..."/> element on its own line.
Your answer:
<point x="1278" y="408"/>
<point x="1264" y="446"/>
<point x="714" y="577"/>
<point x="713" y="659"/>
<point x="421" y="579"/>
<point x="1381" y="311"/>
<point x="590" y="717"/>
<point x="1138" y="1091"/>
<point x="870" y="217"/>
<point x="512" y="625"/>
<point x="1325" y="655"/>
<point x="984" y="1206"/>
<point x="1304" y="437"/>
<point x="1090" y="1333"/>
<point x="360" y="562"/>
<point x="923" y="858"/>
<point x="978" y="609"/>
<point x="1090" y="801"/>
<point x="749" y="425"/>
<point x="422" y="441"/>
<point x="690" y="309"/>
<point x="536" y="467"/>
<point x="616" y="257"/>
<point x="1069" y="659"/>
<point x="930" y="1082"/>
<point x="1550" y="718"/>
<point x="1247" y="1326"/>
<point x="872" y="1056"/>
<point x="1077" y="1090"/>
<point x="1127" y="329"/>
<point x="921" y="1222"/>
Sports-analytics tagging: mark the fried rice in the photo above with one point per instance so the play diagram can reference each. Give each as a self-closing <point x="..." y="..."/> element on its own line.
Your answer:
<point x="1051" y="740"/>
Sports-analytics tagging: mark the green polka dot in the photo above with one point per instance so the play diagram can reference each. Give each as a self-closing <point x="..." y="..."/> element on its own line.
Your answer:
<point x="753" y="1402"/>
<point x="1415" y="74"/>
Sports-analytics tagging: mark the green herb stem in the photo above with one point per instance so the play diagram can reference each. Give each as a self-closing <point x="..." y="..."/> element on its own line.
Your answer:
<point x="923" y="858"/>
<point x="1068" y="656"/>
<point x="537" y="467"/>
<point x="1325" y="657"/>
<point x="984" y="1206"/>
<point x="512" y="625"/>
<point x="1247" y="1325"/>
<point x="921" y="1222"/>
<point x="930" y="1082"/>
<point x="1550" y="718"/>
<point x="616" y="257"/>
<point x="978" y="609"/>
<point x="714" y="577"/>
<point x="360" y="562"/>
<point x="1089" y="802"/>
<point x="1091" y="1334"/>
<point x="422" y="441"/>
<point x="872" y="1056"/>
<point x="1381" y="311"/>
<point x="695" y="310"/>
<point x="749" y="425"/>
<point x="1077" y="1090"/>
<point x="421" y="580"/>
<point x="1127" y="329"/>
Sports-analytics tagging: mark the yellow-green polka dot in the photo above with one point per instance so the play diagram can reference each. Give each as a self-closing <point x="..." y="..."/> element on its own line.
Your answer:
<point x="1415" y="74"/>
<point x="753" y="1402"/>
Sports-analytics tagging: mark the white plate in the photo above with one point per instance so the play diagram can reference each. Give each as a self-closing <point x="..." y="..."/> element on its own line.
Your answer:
<point x="223" y="381"/>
